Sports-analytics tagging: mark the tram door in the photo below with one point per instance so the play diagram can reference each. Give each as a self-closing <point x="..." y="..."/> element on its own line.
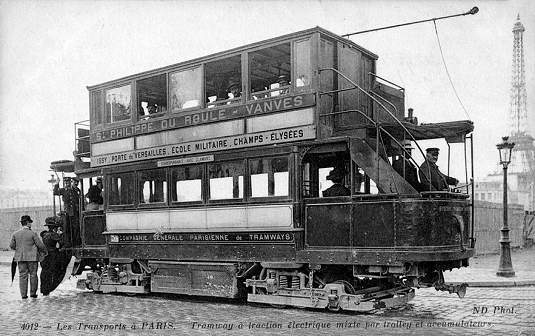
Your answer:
<point x="326" y="197"/>
<point x="92" y="217"/>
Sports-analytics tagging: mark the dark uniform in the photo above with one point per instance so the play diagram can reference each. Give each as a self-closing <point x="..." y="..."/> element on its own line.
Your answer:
<point x="431" y="177"/>
<point x="71" y="201"/>
<point x="402" y="165"/>
<point x="94" y="194"/>
<point x="52" y="264"/>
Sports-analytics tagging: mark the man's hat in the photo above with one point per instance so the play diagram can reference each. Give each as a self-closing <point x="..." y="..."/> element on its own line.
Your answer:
<point x="407" y="144"/>
<point x="67" y="178"/>
<point x="282" y="79"/>
<point x="26" y="219"/>
<point x="51" y="221"/>
<point x="336" y="173"/>
<point x="76" y="179"/>
<point x="99" y="179"/>
<point x="432" y="150"/>
<point x="233" y="82"/>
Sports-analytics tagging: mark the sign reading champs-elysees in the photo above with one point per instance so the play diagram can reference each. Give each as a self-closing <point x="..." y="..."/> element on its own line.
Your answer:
<point x="203" y="146"/>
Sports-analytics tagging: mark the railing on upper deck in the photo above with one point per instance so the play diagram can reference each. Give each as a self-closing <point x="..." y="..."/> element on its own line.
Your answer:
<point x="375" y="123"/>
<point x="81" y="136"/>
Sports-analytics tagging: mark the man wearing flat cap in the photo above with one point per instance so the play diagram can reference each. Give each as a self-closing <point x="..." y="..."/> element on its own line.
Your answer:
<point x="430" y="176"/>
<point x="27" y="246"/>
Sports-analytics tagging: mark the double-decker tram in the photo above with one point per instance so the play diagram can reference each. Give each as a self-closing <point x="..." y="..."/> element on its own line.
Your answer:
<point x="265" y="172"/>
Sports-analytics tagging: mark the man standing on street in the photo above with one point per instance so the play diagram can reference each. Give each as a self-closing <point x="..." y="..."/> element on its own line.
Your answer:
<point x="27" y="246"/>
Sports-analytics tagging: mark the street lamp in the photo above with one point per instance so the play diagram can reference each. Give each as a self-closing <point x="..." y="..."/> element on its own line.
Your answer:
<point x="52" y="182"/>
<point x="505" y="269"/>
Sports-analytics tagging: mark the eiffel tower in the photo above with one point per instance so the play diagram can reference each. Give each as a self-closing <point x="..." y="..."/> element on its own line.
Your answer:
<point x="521" y="171"/>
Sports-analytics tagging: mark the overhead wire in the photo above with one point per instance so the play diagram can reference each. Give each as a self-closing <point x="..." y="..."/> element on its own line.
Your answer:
<point x="447" y="71"/>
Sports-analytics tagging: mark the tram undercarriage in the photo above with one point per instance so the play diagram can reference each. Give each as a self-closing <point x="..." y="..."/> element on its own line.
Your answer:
<point x="333" y="287"/>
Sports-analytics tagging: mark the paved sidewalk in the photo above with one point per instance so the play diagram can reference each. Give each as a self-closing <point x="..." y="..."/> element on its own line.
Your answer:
<point x="480" y="273"/>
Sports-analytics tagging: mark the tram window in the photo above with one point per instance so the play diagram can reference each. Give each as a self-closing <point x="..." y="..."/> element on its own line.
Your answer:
<point x="269" y="177"/>
<point x="96" y="108"/>
<point x="270" y="71"/>
<point x="122" y="189"/>
<point x="118" y="104"/>
<point x="185" y="89"/>
<point x="226" y="180"/>
<point x="320" y="171"/>
<point x="303" y="67"/>
<point x="152" y="186"/>
<point x="222" y="80"/>
<point x="186" y="184"/>
<point x="151" y="95"/>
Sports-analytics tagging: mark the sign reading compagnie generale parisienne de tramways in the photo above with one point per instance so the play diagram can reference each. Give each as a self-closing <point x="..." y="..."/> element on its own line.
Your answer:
<point x="202" y="146"/>
<point x="213" y="237"/>
<point x="208" y="115"/>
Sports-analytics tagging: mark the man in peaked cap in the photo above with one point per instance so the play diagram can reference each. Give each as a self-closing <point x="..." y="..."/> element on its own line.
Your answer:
<point x="71" y="201"/>
<point x="430" y="176"/>
<point x="27" y="246"/>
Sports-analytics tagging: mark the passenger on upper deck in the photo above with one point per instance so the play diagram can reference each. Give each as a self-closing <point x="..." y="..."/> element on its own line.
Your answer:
<point x="405" y="167"/>
<point x="234" y="88"/>
<point x="337" y="189"/>
<point x="283" y="83"/>
<point x="439" y="181"/>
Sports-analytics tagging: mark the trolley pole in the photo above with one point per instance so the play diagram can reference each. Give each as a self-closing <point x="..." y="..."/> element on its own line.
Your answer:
<point x="505" y="268"/>
<point x="472" y="11"/>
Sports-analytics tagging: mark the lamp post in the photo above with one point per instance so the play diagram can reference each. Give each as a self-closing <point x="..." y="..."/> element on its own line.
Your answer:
<point x="505" y="269"/>
<point x="52" y="182"/>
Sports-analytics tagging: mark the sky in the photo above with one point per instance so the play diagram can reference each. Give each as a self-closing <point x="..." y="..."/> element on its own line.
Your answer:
<point x="50" y="51"/>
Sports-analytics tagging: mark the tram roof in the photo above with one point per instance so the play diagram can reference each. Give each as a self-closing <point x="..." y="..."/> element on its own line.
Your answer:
<point x="221" y="54"/>
<point x="452" y="131"/>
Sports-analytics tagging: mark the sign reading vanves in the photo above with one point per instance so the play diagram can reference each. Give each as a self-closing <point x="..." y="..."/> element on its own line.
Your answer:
<point x="202" y="146"/>
<point x="206" y="116"/>
<point x="219" y="237"/>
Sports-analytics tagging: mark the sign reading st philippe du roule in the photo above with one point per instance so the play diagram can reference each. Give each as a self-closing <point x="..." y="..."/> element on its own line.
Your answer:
<point x="205" y="116"/>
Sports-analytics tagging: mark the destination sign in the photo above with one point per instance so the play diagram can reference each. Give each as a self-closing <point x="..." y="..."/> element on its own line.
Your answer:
<point x="202" y="146"/>
<point x="219" y="237"/>
<point x="220" y="113"/>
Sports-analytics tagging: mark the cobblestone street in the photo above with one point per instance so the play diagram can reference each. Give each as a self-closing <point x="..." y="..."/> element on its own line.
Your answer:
<point x="68" y="311"/>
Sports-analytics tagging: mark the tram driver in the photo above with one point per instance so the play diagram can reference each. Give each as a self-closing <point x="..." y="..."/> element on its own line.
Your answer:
<point x="431" y="177"/>
<point x="337" y="189"/>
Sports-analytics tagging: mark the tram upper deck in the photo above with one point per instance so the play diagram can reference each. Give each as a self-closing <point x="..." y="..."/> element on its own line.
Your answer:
<point x="307" y="85"/>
